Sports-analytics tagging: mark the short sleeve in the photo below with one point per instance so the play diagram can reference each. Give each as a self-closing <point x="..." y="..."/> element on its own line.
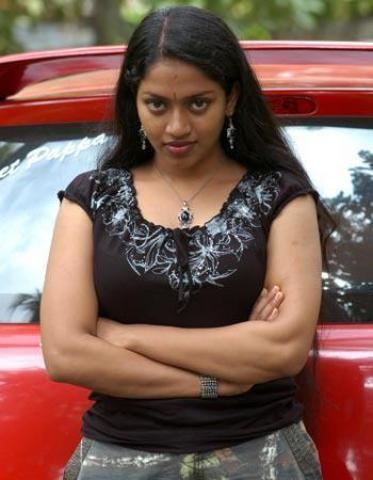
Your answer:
<point x="279" y="188"/>
<point x="80" y="190"/>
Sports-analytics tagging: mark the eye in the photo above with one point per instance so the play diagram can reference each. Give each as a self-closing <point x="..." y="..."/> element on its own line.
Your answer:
<point x="200" y="104"/>
<point x="155" y="104"/>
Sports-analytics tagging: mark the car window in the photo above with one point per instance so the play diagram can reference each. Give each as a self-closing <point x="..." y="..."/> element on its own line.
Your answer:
<point x="339" y="160"/>
<point x="37" y="162"/>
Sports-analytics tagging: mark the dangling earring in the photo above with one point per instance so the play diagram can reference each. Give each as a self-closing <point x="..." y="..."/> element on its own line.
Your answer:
<point x="143" y="137"/>
<point x="230" y="133"/>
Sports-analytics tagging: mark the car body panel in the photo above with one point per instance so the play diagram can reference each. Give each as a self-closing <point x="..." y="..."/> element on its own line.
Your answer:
<point x="305" y="65"/>
<point x="40" y="418"/>
<point x="99" y="108"/>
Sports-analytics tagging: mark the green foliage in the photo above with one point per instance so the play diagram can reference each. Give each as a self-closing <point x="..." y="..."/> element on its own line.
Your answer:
<point x="8" y="43"/>
<point x="32" y="12"/>
<point x="114" y="20"/>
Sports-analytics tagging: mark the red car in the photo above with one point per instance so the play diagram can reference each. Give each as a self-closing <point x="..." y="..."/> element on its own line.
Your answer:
<point x="54" y="110"/>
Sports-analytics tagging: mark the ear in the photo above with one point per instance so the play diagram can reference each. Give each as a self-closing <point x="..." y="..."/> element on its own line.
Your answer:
<point x="232" y="100"/>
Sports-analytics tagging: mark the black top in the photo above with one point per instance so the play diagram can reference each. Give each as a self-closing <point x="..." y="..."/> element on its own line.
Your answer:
<point x="205" y="276"/>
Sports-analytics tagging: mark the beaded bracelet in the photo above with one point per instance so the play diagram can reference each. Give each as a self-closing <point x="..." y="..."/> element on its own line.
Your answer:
<point x="209" y="386"/>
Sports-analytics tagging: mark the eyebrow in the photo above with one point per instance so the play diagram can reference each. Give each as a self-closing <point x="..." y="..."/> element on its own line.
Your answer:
<point x="199" y="94"/>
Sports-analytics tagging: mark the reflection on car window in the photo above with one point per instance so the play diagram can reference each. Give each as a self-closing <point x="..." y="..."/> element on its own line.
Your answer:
<point x="339" y="161"/>
<point x="37" y="162"/>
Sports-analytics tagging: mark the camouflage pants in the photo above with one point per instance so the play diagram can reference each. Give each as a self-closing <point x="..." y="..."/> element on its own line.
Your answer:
<point x="287" y="454"/>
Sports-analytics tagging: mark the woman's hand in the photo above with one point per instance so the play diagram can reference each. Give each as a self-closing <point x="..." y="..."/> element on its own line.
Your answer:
<point x="265" y="309"/>
<point x="267" y="305"/>
<point x="229" y="389"/>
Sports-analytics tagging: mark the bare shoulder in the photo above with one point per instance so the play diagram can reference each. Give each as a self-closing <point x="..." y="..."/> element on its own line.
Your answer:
<point x="298" y="219"/>
<point x="72" y="237"/>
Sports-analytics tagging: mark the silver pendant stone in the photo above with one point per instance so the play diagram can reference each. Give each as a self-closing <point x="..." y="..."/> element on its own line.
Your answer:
<point x="185" y="216"/>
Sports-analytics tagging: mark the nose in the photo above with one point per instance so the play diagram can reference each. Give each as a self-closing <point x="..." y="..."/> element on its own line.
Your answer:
<point x="178" y="125"/>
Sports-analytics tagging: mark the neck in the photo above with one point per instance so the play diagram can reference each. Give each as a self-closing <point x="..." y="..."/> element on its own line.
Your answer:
<point x="186" y="170"/>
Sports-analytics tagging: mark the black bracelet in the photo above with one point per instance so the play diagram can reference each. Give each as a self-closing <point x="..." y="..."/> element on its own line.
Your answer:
<point x="209" y="386"/>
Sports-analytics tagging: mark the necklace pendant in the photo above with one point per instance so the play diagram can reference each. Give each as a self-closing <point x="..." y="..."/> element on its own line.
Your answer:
<point x="185" y="216"/>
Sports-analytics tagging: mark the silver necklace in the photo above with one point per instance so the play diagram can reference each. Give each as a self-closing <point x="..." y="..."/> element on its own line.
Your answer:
<point x="185" y="216"/>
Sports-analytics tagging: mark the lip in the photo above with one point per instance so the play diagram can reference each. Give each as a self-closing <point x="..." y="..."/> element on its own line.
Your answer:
<point x="179" y="148"/>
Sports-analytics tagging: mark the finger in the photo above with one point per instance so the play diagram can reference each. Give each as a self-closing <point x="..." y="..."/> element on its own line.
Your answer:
<point x="263" y="298"/>
<point x="265" y="303"/>
<point x="266" y="300"/>
<point x="273" y="315"/>
<point x="274" y="302"/>
<point x="271" y="306"/>
<point x="259" y="304"/>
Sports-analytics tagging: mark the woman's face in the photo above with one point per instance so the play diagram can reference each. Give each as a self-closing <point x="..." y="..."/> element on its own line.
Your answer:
<point x="182" y="111"/>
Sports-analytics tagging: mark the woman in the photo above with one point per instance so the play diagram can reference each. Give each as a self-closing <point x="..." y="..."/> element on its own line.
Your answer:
<point x="183" y="284"/>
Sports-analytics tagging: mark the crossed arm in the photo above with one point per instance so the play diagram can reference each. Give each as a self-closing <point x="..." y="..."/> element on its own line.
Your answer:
<point x="145" y="361"/>
<point x="203" y="350"/>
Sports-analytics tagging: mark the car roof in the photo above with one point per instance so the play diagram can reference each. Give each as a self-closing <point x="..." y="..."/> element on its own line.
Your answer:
<point x="279" y="65"/>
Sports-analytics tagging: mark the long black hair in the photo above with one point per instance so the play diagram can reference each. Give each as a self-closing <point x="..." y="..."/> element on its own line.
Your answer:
<point x="202" y="39"/>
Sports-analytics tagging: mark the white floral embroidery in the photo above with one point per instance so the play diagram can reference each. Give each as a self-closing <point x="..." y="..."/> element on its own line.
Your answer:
<point x="153" y="248"/>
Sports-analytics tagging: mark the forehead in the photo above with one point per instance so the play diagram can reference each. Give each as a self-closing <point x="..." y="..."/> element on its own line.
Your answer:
<point x="171" y="77"/>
